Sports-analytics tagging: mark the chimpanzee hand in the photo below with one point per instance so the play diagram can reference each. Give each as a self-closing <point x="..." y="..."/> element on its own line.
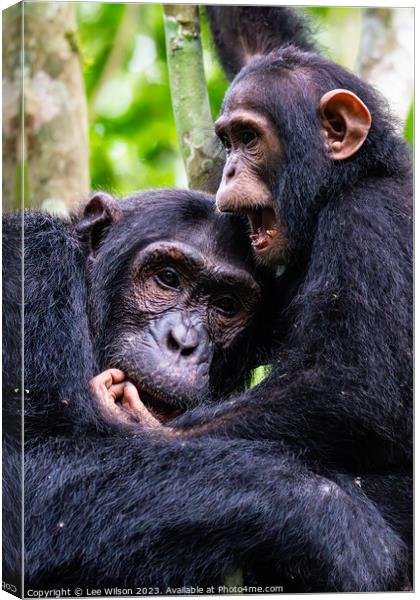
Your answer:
<point x="120" y="400"/>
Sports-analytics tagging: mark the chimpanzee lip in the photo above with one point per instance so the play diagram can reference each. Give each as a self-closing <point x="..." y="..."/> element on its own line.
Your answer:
<point x="264" y="227"/>
<point x="160" y="406"/>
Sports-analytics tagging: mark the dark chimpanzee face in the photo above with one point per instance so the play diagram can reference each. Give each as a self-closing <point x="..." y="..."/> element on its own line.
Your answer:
<point x="182" y="307"/>
<point x="257" y="148"/>
<point x="253" y="157"/>
<point x="173" y="293"/>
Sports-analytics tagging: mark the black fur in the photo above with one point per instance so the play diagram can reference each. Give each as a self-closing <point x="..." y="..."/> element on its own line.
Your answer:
<point x="104" y="506"/>
<point x="274" y="482"/>
<point x="241" y="33"/>
<point x="340" y="392"/>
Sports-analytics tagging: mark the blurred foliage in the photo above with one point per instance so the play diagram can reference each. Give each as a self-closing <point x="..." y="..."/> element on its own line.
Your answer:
<point x="259" y="374"/>
<point x="409" y="126"/>
<point x="133" y="139"/>
<point x="132" y="135"/>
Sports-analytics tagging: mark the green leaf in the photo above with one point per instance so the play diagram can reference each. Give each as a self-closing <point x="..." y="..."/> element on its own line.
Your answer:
<point x="409" y="126"/>
<point x="259" y="374"/>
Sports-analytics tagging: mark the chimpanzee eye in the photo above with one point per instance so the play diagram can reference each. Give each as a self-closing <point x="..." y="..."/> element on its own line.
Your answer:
<point x="225" y="141"/>
<point x="248" y="137"/>
<point x="226" y="305"/>
<point x="168" y="278"/>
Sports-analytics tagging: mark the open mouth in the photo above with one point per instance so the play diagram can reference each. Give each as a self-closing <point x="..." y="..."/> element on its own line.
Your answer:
<point x="264" y="228"/>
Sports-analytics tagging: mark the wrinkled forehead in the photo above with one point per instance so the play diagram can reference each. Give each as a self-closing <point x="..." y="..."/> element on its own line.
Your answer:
<point x="223" y="238"/>
<point x="246" y="93"/>
<point x="265" y="88"/>
<point x="257" y="93"/>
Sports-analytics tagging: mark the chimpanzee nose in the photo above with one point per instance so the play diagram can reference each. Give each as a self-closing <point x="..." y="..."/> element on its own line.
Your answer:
<point x="183" y="339"/>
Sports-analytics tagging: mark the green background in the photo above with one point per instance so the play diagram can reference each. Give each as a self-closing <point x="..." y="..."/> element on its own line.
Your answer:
<point x="133" y="143"/>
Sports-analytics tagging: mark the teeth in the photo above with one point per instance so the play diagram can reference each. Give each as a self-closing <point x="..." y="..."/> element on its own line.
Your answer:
<point x="260" y="244"/>
<point x="261" y="239"/>
<point x="270" y="232"/>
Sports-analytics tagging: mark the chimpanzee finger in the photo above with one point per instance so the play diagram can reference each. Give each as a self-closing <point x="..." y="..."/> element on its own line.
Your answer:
<point x="105" y="380"/>
<point x="131" y="400"/>
<point x="116" y="391"/>
<point x="111" y="376"/>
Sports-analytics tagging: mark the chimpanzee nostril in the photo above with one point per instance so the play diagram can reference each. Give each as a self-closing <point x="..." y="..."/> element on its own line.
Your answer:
<point x="181" y="340"/>
<point x="230" y="172"/>
<point x="188" y="351"/>
<point x="172" y="343"/>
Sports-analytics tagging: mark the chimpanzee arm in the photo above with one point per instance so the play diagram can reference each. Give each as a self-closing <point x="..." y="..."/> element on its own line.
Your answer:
<point x="151" y="512"/>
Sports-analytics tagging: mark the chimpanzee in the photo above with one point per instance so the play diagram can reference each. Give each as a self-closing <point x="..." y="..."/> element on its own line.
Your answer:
<point x="316" y="164"/>
<point x="160" y="286"/>
<point x="170" y="301"/>
<point x="163" y="287"/>
<point x="317" y="475"/>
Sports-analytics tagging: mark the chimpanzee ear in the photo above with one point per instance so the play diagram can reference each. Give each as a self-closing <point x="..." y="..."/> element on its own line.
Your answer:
<point x="346" y="122"/>
<point x="99" y="214"/>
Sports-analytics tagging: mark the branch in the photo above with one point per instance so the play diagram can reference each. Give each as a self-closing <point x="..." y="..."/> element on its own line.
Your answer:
<point x="386" y="55"/>
<point x="200" y="149"/>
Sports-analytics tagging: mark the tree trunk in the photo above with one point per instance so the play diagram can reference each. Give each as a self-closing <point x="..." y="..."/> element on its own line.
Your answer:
<point x="200" y="149"/>
<point x="12" y="100"/>
<point x="386" y="55"/>
<point x="54" y="150"/>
